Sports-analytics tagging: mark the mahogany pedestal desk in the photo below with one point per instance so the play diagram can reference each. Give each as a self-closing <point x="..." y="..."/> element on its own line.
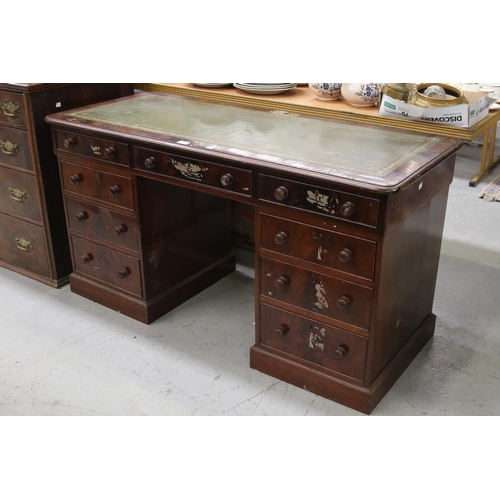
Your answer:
<point x="349" y="222"/>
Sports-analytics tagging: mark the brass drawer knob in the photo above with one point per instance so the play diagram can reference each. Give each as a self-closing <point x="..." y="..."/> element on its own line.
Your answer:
<point x="76" y="178"/>
<point x="344" y="302"/>
<point x="86" y="258"/>
<point x="114" y="190"/>
<point x="340" y="352"/>
<point x="281" y="331"/>
<point x="347" y="209"/>
<point x="281" y="238"/>
<point x="226" y="179"/>
<point x="150" y="162"/>
<point x="81" y="216"/>
<point x="281" y="282"/>
<point x="121" y="229"/>
<point x="68" y="142"/>
<point x="345" y="255"/>
<point x="281" y="193"/>
<point x="123" y="273"/>
<point x="109" y="152"/>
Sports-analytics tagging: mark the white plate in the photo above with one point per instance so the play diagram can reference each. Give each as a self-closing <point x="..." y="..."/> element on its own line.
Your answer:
<point x="494" y="106"/>
<point x="262" y="91"/>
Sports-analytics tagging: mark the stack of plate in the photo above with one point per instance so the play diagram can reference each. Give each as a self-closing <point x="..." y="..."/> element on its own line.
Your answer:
<point x="265" y="88"/>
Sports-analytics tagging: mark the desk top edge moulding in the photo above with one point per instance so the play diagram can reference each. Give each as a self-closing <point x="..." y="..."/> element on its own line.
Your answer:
<point x="348" y="228"/>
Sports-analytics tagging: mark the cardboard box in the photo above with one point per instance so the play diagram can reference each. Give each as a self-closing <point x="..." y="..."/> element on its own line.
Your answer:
<point x="243" y="225"/>
<point x="463" y="115"/>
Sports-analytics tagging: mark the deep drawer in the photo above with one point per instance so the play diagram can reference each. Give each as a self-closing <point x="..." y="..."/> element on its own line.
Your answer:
<point x="109" y="266"/>
<point x="101" y="186"/>
<point x="22" y="244"/>
<point x="337" y="204"/>
<point x="102" y="223"/>
<point x="12" y="109"/>
<point x="323" y="345"/>
<point x="15" y="148"/>
<point x="18" y="194"/>
<point x="232" y="179"/>
<point x="101" y="149"/>
<point x="331" y="297"/>
<point x="348" y="254"/>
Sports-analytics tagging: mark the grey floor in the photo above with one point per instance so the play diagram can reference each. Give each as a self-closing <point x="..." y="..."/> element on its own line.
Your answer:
<point x="61" y="354"/>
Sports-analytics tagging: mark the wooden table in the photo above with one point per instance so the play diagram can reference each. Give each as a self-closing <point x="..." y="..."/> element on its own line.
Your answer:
<point x="349" y="221"/>
<point x="301" y="100"/>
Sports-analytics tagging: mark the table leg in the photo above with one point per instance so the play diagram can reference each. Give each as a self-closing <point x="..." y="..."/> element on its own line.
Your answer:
<point x="487" y="153"/>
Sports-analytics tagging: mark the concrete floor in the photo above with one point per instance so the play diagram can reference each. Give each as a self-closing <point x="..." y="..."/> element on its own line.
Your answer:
<point x="61" y="354"/>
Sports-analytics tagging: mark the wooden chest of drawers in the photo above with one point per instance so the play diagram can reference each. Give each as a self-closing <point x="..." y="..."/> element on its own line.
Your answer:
<point x="32" y="225"/>
<point x="346" y="255"/>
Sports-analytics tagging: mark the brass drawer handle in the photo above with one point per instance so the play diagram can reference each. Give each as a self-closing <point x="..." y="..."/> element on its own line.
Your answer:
<point x="348" y="208"/>
<point x="76" y="178"/>
<point x="150" y="162"/>
<point x="345" y="255"/>
<point x="109" y="152"/>
<point x="86" y="258"/>
<point x="114" y="190"/>
<point x="11" y="109"/>
<point x="17" y="194"/>
<point x="8" y="148"/>
<point x="123" y="273"/>
<point x="281" y="238"/>
<point x="23" y="244"/>
<point x="81" y="216"/>
<point x="121" y="229"/>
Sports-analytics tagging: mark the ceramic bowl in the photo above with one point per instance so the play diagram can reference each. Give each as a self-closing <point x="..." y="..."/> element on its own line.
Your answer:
<point x="326" y="91"/>
<point x="361" y="94"/>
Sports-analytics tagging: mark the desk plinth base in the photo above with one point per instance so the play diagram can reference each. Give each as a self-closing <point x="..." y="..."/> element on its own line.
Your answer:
<point x="358" y="397"/>
<point x="149" y="311"/>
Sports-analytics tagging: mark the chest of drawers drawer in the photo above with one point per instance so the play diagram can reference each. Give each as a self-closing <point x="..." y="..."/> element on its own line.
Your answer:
<point x="333" y="298"/>
<point x="15" y="148"/>
<point x="22" y="244"/>
<point x="12" y="110"/>
<point x="110" y="151"/>
<point x="236" y="180"/>
<point x="101" y="186"/>
<point x="315" y="342"/>
<point x="334" y="250"/>
<point x="109" y="266"/>
<point x="98" y="222"/>
<point x="18" y="194"/>
<point x="332" y="203"/>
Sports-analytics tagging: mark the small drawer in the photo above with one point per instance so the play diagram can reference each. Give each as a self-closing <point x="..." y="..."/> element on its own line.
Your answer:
<point x="18" y="194"/>
<point x="15" y="148"/>
<point x="331" y="297"/>
<point x="102" y="223"/>
<point x="101" y="186"/>
<point x="101" y="149"/>
<point x="308" y="340"/>
<point x="338" y="251"/>
<point x="232" y="179"/>
<point x="109" y="266"/>
<point x="22" y="244"/>
<point x="12" y="110"/>
<point x="337" y="204"/>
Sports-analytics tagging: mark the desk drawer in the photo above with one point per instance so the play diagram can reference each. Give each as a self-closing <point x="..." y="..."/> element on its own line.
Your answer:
<point x="331" y="297"/>
<point x="22" y="244"/>
<point x="101" y="186"/>
<point x="15" y="148"/>
<point x="348" y="254"/>
<point x="12" y="110"/>
<point x="114" y="268"/>
<point x="101" y="149"/>
<point x="232" y="179"/>
<point x="337" y="204"/>
<point x="308" y="340"/>
<point x="99" y="222"/>
<point x="18" y="194"/>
